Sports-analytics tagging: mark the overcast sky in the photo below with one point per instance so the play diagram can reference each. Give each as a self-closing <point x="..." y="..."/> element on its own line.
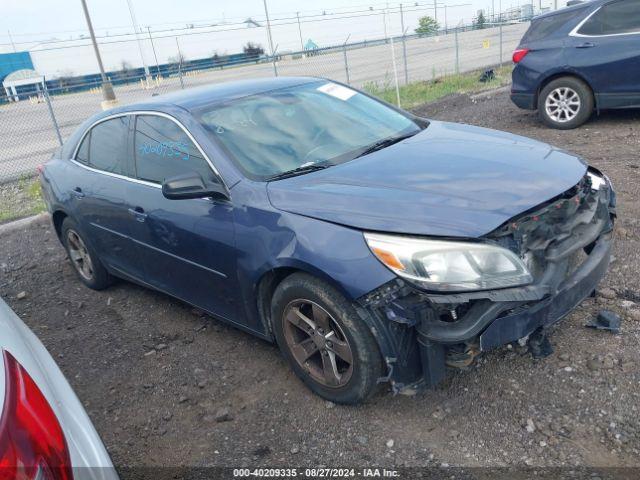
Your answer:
<point x="64" y="17"/>
<point x="34" y="22"/>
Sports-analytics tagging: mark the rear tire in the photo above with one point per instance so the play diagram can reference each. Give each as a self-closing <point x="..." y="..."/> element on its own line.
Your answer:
<point x="565" y="103"/>
<point x="324" y="340"/>
<point x="83" y="258"/>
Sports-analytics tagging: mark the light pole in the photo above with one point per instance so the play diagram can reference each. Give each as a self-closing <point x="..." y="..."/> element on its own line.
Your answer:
<point x="273" y="57"/>
<point x="107" y="88"/>
<point x="154" y="52"/>
<point x="300" y="32"/>
<point x="404" y="47"/>
<point x="446" y="27"/>
<point x="136" y="30"/>
<point x="11" y="40"/>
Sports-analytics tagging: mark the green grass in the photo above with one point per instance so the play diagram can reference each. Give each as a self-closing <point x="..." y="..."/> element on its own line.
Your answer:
<point x="417" y="93"/>
<point x="20" y="199"/>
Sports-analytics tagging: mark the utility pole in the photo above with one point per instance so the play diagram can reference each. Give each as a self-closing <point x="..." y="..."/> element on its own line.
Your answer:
<point x="154" y="52"/>
<point x="384" y="22"/>
<point x="300" y="32"/>
<point x="137" y="30"/>
<point x="446" y="28"/>
<point x="180" y="64"/>
<point x="273" y="56"/>
<point x="493" y="11"/>
<point x="393" y="54"/>
<point x="435" y="10"/>
<point x="107" y="89"/>
<point x="404" y="47"/>
<point x="11" y="40"/>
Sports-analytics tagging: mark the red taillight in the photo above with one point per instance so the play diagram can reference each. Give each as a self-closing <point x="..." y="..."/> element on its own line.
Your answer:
<point x="519" y="54"/>
<point x="32" y="443"/>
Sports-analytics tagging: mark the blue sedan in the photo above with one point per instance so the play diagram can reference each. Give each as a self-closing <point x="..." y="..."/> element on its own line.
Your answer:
<point x="373" y="246"/>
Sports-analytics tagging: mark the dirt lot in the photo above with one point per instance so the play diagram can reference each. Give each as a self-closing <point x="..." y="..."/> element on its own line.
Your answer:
<point x="168" y="387"/>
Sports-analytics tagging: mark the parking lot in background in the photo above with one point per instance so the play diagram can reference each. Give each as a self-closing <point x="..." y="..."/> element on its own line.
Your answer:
<point x="165" y="385"/>
<point x="28" y="137"/>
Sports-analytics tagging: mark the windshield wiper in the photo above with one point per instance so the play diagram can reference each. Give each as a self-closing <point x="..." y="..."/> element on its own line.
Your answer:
<point x="299" y="171"/>
<point x="384" y="143"/>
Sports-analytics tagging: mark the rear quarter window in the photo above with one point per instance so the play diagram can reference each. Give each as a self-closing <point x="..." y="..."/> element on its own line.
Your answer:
<point x="82" y="155"/>
<point x="104" y="147"/>
<point x="613" y="19"/>
<point x="543" y="28"/>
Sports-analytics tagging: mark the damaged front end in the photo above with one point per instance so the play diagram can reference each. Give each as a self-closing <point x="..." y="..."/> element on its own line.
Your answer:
<point x="565" y="243"/>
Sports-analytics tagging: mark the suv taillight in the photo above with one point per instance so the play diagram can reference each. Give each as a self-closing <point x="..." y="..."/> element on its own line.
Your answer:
<point x="519" y="54"/>
<point x="32" y="443"/>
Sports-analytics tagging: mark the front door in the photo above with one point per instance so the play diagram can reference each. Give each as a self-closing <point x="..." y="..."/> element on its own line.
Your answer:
<point x="605" y="49"/>
<point x="187" y="246"/>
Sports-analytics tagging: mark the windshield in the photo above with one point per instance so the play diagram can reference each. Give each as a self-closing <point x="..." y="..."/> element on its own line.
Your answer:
<point x="315" y="123"/>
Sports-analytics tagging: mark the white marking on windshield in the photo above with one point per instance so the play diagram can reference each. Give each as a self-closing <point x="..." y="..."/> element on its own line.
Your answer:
<point x="337" y="91"/>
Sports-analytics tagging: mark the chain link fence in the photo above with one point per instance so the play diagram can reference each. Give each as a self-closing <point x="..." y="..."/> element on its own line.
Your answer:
<point x="33" y="126"/>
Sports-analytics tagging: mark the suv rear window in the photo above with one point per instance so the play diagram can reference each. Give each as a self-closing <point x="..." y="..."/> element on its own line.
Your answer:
<point x="614" y="18"/>
<point x="542" y="28"/>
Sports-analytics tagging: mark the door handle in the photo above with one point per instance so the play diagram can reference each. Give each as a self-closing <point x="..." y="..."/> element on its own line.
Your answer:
<point x="138" y="213"/>
<point x="586" y="45"/>
<point x="77" y="192"/>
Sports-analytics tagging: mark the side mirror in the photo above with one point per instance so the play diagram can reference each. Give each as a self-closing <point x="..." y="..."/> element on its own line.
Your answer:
<point x="191" y="185"/>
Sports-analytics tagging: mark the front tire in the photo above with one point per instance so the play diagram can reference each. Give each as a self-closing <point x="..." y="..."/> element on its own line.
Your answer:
<point x="324" y="340"/>
<point x="565" y="103"/>
<point x="83" y="258"/>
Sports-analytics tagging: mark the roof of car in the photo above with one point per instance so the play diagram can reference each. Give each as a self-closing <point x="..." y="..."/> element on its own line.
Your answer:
<point x="577" y="6"/>
<point x="220" y="92"/>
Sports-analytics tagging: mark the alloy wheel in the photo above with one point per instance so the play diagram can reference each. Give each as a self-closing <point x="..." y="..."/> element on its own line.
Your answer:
<point x="563" y="104"/>
<point x="79" y="255"/>
<point x="317" y="343"/>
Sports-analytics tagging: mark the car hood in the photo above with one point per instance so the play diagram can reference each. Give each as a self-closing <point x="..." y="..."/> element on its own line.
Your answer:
<point x="449" y="180"/>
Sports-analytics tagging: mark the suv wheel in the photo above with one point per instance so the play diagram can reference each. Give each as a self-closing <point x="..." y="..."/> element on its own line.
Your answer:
<point x="83" y="258"/>
<point x="324" y="340"/>
<point x="565" y="103"/>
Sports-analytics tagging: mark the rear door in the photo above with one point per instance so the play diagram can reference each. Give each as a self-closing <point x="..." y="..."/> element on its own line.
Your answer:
<point x="605" y="49"/>
<point x="187" y="246"/>
<point x="98" y="192"/>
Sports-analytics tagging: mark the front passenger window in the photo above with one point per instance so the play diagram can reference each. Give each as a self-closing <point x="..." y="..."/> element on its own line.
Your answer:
<point x="163" y="150"/>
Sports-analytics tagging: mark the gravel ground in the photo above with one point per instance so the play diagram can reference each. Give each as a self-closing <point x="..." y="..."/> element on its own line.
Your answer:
<point x="166" y="386"/>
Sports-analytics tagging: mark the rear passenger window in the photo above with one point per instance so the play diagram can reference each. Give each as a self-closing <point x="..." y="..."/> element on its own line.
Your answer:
<point x="107" y="146"/>
<point x="544" y="27"/>
<point x="614" y="18"/>
<point x="164" y="150"/>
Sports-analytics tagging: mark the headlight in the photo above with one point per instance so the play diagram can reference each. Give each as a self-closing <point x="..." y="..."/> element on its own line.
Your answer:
<point x="449" y="266"/>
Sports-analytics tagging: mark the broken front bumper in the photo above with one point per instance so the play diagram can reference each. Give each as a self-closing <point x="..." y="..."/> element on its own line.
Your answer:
<point x="549" y="311"/>
<point x="568" y="242"/>
<point x="494" y="323"/>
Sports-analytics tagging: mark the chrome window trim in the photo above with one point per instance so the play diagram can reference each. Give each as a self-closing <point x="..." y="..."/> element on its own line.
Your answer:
<point x="115" y="175"/>
<point x="134" y="113"/>
<point x="574" y="32"/>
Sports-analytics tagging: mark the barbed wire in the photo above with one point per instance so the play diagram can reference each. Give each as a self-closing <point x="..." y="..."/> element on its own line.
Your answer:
<point x="240" y="25"/>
